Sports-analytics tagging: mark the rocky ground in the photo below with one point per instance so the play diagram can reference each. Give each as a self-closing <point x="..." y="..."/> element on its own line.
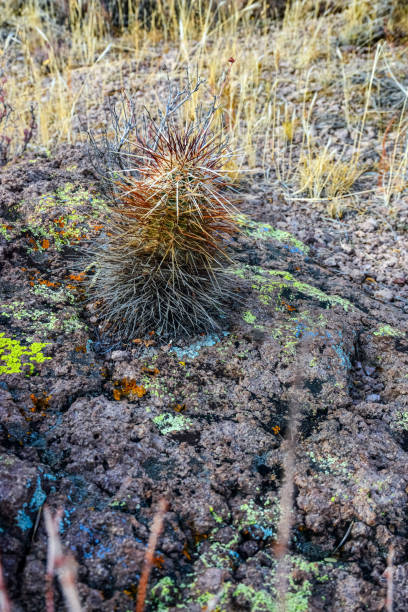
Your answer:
<point x="106" y="431"/>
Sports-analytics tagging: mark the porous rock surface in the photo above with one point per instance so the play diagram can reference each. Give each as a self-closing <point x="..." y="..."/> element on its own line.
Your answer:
<point x="106" y="431"/>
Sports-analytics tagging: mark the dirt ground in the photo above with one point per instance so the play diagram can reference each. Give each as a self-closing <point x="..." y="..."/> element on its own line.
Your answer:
<point x="105" y="431"/>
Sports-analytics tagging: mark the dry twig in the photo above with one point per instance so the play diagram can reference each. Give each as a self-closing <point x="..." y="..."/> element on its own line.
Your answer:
<point x="5" y="605"/>
<point x="390" y="582"/>
<point x="155" y="531"/>
<point x="63" y="565"/>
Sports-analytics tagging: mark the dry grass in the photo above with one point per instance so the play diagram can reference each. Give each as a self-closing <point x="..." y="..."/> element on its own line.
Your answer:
<point x="277" y="93"/>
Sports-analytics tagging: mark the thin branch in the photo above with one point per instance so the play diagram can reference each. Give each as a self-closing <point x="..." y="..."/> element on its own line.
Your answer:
<point x="389" y="574"/>
<point x="62" y="565"/>
<point x="155" y="531"/>
<point x="5" y="605"/>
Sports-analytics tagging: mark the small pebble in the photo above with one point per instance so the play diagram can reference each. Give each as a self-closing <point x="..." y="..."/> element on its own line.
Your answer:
<point x="119" y="355"/>
<point x="384" y="294"/>
<point x="373" y="397"/>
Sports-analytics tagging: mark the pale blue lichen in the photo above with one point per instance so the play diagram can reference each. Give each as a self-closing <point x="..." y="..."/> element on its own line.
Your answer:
<point x="193" y="350"/>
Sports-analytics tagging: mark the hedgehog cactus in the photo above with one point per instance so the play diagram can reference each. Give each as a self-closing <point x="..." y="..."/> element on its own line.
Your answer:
<point x="163" y="267"/>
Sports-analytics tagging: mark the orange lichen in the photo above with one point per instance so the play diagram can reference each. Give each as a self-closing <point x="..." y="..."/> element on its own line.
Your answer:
<point x="185" y="552"/>
<point x="150" y="371"/>
<point x="276" y="429"/>
<point x="179" y="407"/>
<point x="147" y="343"/>
<point x="40" y="404"/>
<point x="77" y="277"/>
<point x="158" y="561"/>
<point x="33" y="243"/>
<point x="198" y="537"/>
<point x="289" y="306"/>
<point x="128" y="387"/>
<point x="131" y="591"/>
<point x="45" y="244"/>
<point x="48" y="283"/>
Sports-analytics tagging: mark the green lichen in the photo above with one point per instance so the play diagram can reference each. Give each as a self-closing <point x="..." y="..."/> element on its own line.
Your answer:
<point x="401" y="421"/>
<point x="270" y="283"/>
<point x="155" y="387"/>
<point x="258" y="600"/>
<point x="205" y="598"/>
<point x="297" y="599"/>
<point x="72" y="324"/>
<point x="261" y="517"/>
<point x="163" y="593"/>
<point x="298" y="595"/>
<point x="78" y="212"/>
<point x="53" y="296"/>
<point x="39" y="321"/>
<point x="387" y="330"/>
<point x="249" y="317"/>
<point x="330" y="465"/>
<point x="168" y="423"/>
<point x="14" y="355"/>
<point x="4" y="232"/>
<point x="264" y="231"/>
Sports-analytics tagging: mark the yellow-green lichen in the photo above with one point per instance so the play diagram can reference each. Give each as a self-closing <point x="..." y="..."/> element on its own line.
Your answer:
<point x="155" y="387"/>
<point x="401" y="421"/>
<point x="330" y="464"/>
<point x="387" y="330"/>
<point x="265" y="231"/>
<point x="17" y="357"/>
<point x="269" y="283"/>
<point x="168" y="423"/>
<point x="259" y="520"/>
<point x="72" y="324"/>
<point x="249" y="317"/>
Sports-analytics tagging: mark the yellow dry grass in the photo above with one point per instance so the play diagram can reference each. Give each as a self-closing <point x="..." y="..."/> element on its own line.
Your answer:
<point x="286" y="75"/>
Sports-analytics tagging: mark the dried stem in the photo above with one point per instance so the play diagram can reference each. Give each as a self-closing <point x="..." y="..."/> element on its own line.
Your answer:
<point x="62" y="565"/>
<point x="286" y="505"/>
<point x="5" y="605"/>
<point x="155" y="531"/>
<point x="389" y="573"/>
<point x="287" y="490"/>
